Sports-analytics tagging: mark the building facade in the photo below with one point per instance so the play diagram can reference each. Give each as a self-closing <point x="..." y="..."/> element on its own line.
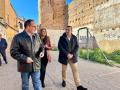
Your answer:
<point x="9" y="17"/>
<point x="2" y="29"/>
<point x="20" y="25"/>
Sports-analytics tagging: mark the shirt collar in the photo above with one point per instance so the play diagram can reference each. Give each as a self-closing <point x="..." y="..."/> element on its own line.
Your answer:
<point x="27" y="34"/>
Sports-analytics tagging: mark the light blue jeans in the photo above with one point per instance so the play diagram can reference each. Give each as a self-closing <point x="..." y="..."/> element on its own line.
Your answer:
<point x="35" y="80"/>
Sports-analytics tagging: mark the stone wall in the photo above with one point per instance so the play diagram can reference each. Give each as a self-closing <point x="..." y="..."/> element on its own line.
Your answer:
<point x="2" y="8"/>
<point x="52" y="13"/>
<point x="107" y="15"/>
<point x="10" y="15"/>
<point x="81" y="12"/>
<point x="54" y="36"/>
<point x="109" y="41"/>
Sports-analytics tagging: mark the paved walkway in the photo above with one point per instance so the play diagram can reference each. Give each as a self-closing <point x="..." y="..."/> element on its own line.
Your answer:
<point x="93" y="76"/>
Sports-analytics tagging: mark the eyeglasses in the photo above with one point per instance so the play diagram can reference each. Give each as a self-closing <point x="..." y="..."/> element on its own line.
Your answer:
<point x="33" y="26"/>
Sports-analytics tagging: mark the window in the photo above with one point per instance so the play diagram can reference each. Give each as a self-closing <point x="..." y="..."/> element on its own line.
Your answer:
<point x="75" y="19"/>
<point x="21" y="25"/>
<point x="89" y="4"/>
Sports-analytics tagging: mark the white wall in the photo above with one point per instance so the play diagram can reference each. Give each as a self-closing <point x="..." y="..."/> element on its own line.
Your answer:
<point x="54" y="36"/>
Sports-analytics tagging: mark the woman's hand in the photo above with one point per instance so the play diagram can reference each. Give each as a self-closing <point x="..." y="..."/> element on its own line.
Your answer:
<point x="47" y="47"/>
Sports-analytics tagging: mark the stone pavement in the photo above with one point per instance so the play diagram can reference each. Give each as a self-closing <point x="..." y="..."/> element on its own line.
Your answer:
<point x="93" y="76"/>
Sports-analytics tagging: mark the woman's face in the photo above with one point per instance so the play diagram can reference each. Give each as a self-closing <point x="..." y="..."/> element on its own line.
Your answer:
<point x="43" y="32"/>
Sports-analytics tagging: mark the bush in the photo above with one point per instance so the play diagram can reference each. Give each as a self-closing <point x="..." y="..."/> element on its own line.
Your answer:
<point x="55" y="49"/>
<point x="83" y="54"/>
<point x="115" y="56"/>
<point x="117" y="52"/>
<point x="94" y="55"/>
<point x="107" y="55"/>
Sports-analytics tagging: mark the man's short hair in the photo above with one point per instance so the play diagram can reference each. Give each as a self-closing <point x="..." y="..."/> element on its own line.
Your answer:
<point x="69" y="27"/>
<point x="28" y="22"/>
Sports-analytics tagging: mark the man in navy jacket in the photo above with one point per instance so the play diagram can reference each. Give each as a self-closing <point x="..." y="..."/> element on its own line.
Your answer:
<point x="68" y="47"/>
<point x="3" y="47"/>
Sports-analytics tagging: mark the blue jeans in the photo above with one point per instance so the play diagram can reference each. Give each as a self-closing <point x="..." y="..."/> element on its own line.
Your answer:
<point x="35" y="80"/>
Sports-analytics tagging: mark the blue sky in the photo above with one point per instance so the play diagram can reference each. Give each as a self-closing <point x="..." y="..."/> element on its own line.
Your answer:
<point x="27" y="8"/>
<point x="68" y="1"/>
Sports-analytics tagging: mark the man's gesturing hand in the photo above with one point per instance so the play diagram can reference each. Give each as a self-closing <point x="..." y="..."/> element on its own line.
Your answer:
<point x="29" y="60"/>
<point x="70" y="56"/>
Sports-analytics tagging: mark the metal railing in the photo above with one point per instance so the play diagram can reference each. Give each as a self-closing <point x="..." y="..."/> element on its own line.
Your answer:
<point x="87" y="44"/>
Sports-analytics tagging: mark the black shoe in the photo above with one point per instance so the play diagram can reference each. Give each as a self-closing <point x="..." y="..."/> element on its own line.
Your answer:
<point x="0" y="62"/>
<point x="64" y="83"/>
<point x="6" y="62"/>
<point x="81" y="88"/>
<point x="43" y="85"/>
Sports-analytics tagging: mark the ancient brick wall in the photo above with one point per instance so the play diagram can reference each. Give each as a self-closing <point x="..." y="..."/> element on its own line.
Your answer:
<point x="52" y="13"/>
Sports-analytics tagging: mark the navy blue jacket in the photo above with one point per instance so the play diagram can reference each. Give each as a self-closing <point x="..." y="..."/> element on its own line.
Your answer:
<point x="3" y="45"/>
<point x="65" y="46"/>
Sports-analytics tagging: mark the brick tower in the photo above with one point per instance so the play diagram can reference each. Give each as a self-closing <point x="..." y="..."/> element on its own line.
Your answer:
<point x="52" y="13"/>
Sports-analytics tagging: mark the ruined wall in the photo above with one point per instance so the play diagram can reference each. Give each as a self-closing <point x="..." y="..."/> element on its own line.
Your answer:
<point x="82" y="12"/>
<point x="107" y="25"/>
<point x="107" y="15"/>
<point x="52" y="13"/>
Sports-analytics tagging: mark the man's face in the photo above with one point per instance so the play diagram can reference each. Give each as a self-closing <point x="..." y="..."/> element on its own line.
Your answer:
<point x="68" y="30"/>
<point x="32" y="27"/>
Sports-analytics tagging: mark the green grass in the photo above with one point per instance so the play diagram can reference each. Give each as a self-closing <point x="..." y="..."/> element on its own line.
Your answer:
<point x="96" y="56"/>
